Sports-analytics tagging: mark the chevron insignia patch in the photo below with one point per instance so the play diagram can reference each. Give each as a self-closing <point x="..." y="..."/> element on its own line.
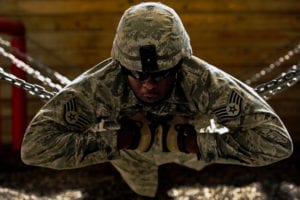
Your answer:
<point x="72" y="117"/>
<point x="231" y="110"/>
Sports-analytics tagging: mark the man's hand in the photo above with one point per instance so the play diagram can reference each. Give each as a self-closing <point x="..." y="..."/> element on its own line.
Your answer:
<point x="129" y="134"/>
<point x="187" y="138"/>
<point x="135" y="134"/>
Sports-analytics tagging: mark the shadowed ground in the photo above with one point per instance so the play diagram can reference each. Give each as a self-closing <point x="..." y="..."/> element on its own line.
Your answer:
<point x="277" y="181"/>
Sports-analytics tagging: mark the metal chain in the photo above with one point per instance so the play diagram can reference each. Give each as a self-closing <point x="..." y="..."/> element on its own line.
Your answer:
<point x="33" y="89"/>
<point x="62" y="79"/>
<point x="266" y="90"/>
<point x="29" y="70"/>
<point x="272" y="66"/>
<point x="279" y="84"/>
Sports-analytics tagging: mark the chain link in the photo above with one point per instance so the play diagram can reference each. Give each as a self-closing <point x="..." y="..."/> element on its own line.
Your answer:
<point x="272" y="66"/>
<point x="62" y="79"/>
<point x="33" y="89"/>
<point x="279" y="84"/>
<point x="266" y="90"/>
<point x="29" y="70"/>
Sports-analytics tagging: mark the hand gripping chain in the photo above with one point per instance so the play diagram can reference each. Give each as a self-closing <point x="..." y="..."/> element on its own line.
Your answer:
<point x="33" y="89"/>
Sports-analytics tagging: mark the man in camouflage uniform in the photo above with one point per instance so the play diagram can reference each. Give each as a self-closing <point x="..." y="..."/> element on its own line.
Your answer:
<point x="149" y="104"/>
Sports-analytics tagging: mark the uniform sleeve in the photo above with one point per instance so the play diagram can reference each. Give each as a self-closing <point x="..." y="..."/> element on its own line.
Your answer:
<point x="256" y="136"/>
<point x="65" y="133"/>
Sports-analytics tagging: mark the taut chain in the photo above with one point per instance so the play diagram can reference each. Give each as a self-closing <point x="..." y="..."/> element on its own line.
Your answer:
<point x="62" y="79"/>
<point x="266" y="90"/>
<point x="279" y="84"/>
<point x="274" y="65"/>
<point x="29" y="70"/>
<point x="33" y="89"/>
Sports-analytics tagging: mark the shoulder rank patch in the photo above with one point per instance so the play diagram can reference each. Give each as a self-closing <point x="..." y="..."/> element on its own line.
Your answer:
<point x="231" y="110"/>
<point x="72" y="117"/>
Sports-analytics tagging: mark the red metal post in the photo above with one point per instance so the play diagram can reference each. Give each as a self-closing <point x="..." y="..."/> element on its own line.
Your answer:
<point x="19" y="101"/>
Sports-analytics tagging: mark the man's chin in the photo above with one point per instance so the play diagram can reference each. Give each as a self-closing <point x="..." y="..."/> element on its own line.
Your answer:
<point x="151" y="100"/>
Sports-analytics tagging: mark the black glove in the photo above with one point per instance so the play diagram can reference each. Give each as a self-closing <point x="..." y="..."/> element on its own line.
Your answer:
<point x="129" y="134"/>
<point x="187" y="138"/>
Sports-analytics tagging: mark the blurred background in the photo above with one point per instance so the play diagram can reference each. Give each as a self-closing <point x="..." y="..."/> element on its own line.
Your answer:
<point x="242" y="38"/>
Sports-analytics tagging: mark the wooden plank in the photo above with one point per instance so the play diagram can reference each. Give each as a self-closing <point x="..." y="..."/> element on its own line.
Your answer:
<point x="8" y="8"/>
<point x="242" y="21"/>
<point x="95" y="22"/>
<point x="211" y="48"/>
<point x="192" y="21"/>
<point x="231" y="57"/>
<point x="33" y="106"/>
<point x="71" y="39"/>
<point x="98" y="39"/>
<point x="103" y="6"/>
<point x="286" y="109"/>
<point x="6" y="131"/>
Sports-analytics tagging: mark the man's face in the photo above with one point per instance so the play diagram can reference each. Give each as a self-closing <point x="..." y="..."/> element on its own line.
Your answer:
<point x="152" y="88"/>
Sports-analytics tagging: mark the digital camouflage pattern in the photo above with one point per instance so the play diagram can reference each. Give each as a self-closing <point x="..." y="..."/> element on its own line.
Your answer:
<point x="73" y="129"/>
<point x="150" y="24"/>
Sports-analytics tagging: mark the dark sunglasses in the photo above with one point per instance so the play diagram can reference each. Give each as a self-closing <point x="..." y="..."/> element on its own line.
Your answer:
<point x="158" y="76"/>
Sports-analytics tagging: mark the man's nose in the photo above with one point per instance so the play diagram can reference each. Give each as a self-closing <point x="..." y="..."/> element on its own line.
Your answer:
<point x="149" y="83"/>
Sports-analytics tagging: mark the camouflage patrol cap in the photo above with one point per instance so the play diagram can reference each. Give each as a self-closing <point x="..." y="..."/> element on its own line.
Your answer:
<point x="150" y="37"/>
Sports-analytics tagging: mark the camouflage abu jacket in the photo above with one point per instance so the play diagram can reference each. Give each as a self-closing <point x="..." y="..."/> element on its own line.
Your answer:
<point x="78" y="126"/>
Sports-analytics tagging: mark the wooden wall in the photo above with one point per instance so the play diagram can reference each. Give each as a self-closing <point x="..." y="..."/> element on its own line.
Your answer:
<point x="240" y="37"/>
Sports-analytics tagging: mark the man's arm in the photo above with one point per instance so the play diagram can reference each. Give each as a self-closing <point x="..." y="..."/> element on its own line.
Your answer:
<point x="256" y="134"/>
<point x="263" y="142"/>
<point x="65" y="133"/>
